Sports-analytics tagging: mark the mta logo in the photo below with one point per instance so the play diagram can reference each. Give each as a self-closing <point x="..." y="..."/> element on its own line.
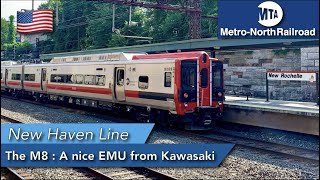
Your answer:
<point x="270" y="14"/>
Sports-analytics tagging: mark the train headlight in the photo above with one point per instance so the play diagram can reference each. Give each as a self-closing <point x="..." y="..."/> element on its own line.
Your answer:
<point x="220" y="94"/>
<point x="185" y="95"/>
<point x="185" y="104"/>
<point x="220" y="103"/>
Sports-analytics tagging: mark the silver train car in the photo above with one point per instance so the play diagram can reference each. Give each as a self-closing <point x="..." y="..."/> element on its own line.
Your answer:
<point x="175" y="88"/>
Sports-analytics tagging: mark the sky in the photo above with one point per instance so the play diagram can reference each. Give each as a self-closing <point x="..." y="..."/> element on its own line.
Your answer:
<point x="10" y="7"/>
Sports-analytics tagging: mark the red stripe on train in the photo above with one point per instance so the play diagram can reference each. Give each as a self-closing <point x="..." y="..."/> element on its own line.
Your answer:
<point x="14" y="83"/>
<point x="130" y="93"/>
<point x="29" y="84"/>
<point x="80" y="89"/>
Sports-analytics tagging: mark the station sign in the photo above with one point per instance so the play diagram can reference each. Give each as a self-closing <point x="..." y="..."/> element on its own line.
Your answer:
<point x="291" y="76"/>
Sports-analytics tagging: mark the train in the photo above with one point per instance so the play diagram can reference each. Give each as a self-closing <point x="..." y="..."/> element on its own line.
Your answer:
<point x="184" y="89"/>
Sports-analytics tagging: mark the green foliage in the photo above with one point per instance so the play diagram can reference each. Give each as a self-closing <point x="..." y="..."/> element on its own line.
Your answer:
<point x="12" y="30"/>
<point x="88" y="25"/>
<point x="4" y="32"/>
<point x="18" y="51"/>
<point x="117" y="41"/>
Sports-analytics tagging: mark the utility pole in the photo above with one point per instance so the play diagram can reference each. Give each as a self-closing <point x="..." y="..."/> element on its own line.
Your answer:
<point x="130" y="11"/>
<point x="57" y="12"/>
<point x="14" y="52"/>
<point x="32" y="5"/>
<point x="78" y="38"/>
<point x="113" y="17"/>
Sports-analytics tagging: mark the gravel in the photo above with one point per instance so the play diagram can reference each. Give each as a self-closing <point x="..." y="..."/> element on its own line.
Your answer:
<point x="270" y="135"/>
<point x="56" y="173"/>
<point x="239" y="164"/>
<point x="31" y="113"/>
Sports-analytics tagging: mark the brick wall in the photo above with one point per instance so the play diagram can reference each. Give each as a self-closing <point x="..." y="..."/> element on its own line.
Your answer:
<point x="246" y="71"/>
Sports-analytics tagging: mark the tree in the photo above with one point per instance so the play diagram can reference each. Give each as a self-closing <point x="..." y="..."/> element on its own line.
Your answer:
<point x="12" y="31"/>
<point x="4" y="32"/>
<point x="117" y="41"/>
<point x="87" y="24"/>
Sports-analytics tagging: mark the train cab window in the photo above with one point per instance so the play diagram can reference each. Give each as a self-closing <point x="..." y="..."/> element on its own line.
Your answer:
<point x="100" y="80"/>
<point x="16" y="77"/>
<point x="78" y="79"/>
<point x="167" y="79"/>
<point x="204" y="77"/>
<point x="89" y="79"/>
<point x="189" y="78"/>
<point x="143" y="82"/>
<point x="57" y="78"/>
<point x="69" y="79"/>
<point x="29" y="77"/>
<point x="217" y="76"/>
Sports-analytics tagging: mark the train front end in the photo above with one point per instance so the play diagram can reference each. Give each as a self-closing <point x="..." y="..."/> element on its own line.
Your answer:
<point x="199" y="91"/>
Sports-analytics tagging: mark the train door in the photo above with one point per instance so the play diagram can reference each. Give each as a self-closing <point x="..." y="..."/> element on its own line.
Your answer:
<point x="217" y="81"/>
<point x="44" y="79"/>
<point x="119" y="83"/>
<point x="6" y="77"/>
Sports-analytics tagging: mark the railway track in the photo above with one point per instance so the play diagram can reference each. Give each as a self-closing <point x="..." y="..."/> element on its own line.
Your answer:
<point x="16" y="174"/>
<point x="280" y="151"/>
<point x="8" y="119"/>
<point x="105" y="173"/>
<point x="125" y="173"/>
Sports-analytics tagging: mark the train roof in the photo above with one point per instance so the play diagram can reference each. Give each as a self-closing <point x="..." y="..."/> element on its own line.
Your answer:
<point x="164" y="60"/>
<point x="116" y="56"/>
<point x="169" y="55"/>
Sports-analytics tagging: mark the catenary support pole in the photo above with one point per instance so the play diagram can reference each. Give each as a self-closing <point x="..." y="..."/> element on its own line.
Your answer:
<point x="113" y="16"/>
<point x="130" y="11"/>
<point x="57" y="12"/>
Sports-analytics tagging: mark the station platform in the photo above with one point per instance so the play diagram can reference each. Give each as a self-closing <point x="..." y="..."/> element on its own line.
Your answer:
<point x="302" y="117"/>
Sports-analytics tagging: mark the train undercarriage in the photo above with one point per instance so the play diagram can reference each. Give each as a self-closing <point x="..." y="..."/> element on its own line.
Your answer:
<point x="202" y="119"/>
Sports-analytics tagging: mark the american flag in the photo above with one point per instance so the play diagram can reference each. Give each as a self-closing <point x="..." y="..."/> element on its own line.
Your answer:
<point x="34" y="21"/>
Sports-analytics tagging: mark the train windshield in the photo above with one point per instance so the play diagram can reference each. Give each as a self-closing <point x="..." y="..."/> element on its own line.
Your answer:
<point x="189" y="75"/>
<point x="188" y="91"/>
<point x="217" y="70"/>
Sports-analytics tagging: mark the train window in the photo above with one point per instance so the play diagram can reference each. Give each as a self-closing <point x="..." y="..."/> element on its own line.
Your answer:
<point x="58" y="78"/>
<point x="188" y="77"/>
<point x="99" y="69"/>
<point x="204" y="77"/>
<point x="86" y="58"/>
<point x="167" y="79"/>
<point x="69" y="79"/>
<point x="16" y="77"/>
<point x="44" y="74"/>
<point x="216" y="73"/>
<point x="102" y="57"/>
<point x="79" y="79"/>
<point x="143" y="82"/>
<point x="120" y="77"/>
<point x="29" y="77"/>
<point x="100" y="80"/>
<point x="89" y="79"/>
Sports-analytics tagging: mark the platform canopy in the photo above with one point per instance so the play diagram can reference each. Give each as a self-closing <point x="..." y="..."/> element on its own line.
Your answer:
<point x="210" y="44"/>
